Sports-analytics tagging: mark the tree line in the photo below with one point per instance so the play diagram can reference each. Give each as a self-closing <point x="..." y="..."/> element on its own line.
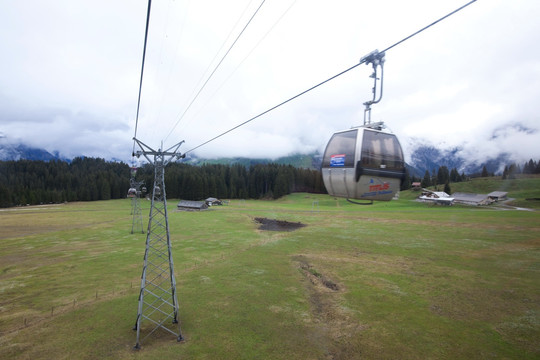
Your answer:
<point x="32" y="182"/>
<point x="236" y="181"/>
<point x="442" y="176"/>
<point x="530" y="167"/>
<point x="41" y="182"/>
<point x="510" y="171"/>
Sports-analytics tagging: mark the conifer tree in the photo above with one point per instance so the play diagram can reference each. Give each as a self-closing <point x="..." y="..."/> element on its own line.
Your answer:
<point x="443" y="176"/>
<point x="426" y="181"/>
<point x="447" y="188"/>
<point x="406" y="183"/>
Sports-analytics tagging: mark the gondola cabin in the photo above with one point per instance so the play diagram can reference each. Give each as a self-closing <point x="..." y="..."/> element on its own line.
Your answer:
<point x="363" y="163"/>
<point x="132" y="192"/>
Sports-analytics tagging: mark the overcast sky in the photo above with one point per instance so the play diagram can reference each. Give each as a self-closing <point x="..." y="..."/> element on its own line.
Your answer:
<point x="70" y="70"/>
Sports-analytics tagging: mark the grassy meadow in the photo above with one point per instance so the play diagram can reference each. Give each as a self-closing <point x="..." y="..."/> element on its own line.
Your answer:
<point x="395" y="280"/>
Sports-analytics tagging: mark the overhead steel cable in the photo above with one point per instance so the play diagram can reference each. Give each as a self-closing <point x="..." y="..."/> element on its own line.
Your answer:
<point x="221" y="47"/>
<point x="142" y="71"/>
<point x="251" y="51"/>
<point x="430" y="25"/>
<point x="275" y="107"/>
<point x="175" y="51"/>
<point x="215" y="69"/>
<point x="206" y="71"/>
<point x="362" y="61"/>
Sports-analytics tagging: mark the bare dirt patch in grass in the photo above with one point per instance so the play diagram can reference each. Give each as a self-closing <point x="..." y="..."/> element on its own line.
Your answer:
<point x="315" y="277"/>
<point x="334" y="325"/>
<point x="278" y="225"/>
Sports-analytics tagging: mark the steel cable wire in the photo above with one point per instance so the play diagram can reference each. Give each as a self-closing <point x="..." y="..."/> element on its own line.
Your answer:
<point x="142" y="72"/>
<point x="331" y="78"/>
<point x="215" y="69"/>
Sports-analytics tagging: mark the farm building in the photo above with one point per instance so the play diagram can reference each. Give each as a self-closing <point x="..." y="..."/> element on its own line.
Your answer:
<point x="187" y="205"/>
<point x="471" y="199"/>
<point x="211" y="201"/>
<point x="498" y="195"/>
<point x="416" y="185"/>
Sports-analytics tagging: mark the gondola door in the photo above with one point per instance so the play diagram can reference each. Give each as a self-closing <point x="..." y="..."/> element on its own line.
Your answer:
<point x="381" y="167"/>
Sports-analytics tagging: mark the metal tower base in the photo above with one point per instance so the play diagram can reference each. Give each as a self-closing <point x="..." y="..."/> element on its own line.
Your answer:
<point x="158" y="303"/>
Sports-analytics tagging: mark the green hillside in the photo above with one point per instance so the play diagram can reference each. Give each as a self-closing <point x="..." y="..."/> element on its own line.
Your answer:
<point x="524" y="190"/>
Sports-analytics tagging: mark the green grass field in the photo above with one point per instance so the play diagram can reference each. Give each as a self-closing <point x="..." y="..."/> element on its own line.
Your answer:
<point x="395" y="280"/>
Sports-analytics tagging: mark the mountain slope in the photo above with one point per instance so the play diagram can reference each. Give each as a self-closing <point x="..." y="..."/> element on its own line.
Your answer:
<point x="428" y="157"/>
<point x="422" y="157"/>
<point x="23" y="152"/>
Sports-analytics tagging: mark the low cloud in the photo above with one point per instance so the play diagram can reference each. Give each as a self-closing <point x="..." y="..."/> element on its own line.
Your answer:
<point x="463" y="83"/>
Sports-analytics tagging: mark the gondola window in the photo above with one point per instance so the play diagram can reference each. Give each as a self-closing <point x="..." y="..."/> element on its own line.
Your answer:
<point x="340" y="151"/>
<point x="381" y="151"/>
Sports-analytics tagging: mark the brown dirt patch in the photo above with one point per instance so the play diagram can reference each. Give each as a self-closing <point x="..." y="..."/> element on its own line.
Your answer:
<point x="334" y="326"/>
<point x="316" y="277"/>
<point x="278" y="225"/>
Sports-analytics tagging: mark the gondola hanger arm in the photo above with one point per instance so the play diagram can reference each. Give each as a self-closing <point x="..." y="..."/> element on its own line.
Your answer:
<point x="376" y="58"/>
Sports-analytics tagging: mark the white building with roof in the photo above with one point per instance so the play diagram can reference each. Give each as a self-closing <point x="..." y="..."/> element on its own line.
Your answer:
<point x="438" y="197"/>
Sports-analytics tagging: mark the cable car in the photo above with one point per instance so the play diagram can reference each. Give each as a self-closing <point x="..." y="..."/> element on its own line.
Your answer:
<point x="132" y="192"/>
<point x="363" y="163"/>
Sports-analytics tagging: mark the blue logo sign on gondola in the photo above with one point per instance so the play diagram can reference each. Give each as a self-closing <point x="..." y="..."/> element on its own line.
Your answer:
<point x="337" y="160"/>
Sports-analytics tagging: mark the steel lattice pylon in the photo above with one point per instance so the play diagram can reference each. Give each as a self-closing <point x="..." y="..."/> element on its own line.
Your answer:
<point x="158" y="302"/>
<point x="137" y="222"/>
<point x="137" y="215"/>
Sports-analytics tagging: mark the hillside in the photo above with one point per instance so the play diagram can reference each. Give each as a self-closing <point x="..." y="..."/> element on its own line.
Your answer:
<point x="427" y="157"/>
<point x="524" y="190"/>
<point x="23" y="152"/>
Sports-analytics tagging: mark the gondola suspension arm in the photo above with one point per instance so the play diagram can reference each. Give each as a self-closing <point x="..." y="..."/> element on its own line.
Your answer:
<point x="376" y="59"/>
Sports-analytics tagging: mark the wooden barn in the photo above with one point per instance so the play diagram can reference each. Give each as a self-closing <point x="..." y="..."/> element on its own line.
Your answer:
<point x="498" y="195"/>
<point x="471" y="199"/>
<point x="188" y="205"/>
